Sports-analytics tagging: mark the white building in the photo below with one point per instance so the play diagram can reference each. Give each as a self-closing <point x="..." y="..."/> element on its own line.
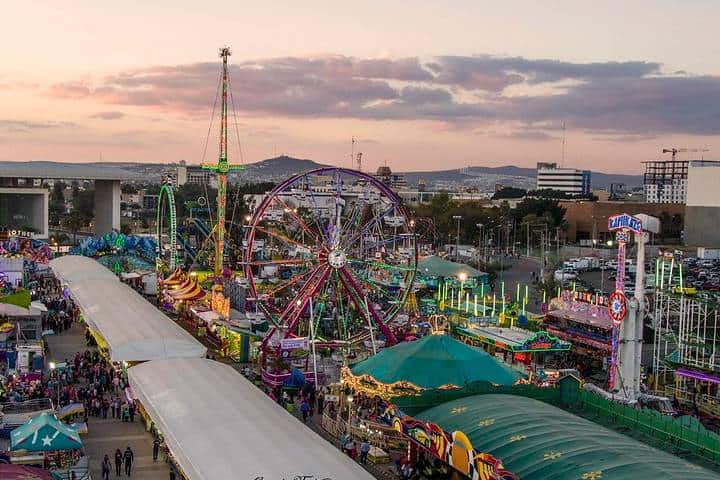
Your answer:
<point x="665" y="181"/>
<point x="195" y="175"/>
<point x="702" y="207"/>
<point x="567" y="180"/>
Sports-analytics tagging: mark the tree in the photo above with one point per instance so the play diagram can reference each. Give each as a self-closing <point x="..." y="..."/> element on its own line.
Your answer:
<point x="57" y="203"/>
<point x="128" y="188"/>
<point x="74" y="222"/>
<point x="509" y="192"/>
<point x="125" y="229"/>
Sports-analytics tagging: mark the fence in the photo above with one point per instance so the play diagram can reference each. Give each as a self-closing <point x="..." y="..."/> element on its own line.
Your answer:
<point x="680" y="435"/>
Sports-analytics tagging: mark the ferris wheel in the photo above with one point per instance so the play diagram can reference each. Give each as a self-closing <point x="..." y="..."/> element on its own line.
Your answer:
<point x="335" y="246"/>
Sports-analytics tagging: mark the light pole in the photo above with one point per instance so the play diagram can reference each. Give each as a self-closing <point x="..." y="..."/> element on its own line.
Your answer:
<point x="480" y="239"/>
<point x="457" y="219"/>
<point x="57" y="382"/>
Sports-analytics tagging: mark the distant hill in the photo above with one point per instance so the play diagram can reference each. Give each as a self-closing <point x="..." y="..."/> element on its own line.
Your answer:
<point x="279" y="168"/>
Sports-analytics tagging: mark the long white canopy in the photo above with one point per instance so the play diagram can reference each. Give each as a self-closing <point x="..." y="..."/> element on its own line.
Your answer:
<point x="220" y="426"/>
<point x="134" y="329"/>
<point x="76" y="268"/>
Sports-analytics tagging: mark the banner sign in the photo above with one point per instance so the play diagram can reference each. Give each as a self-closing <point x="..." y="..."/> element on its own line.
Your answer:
<point x="625" y="221"/>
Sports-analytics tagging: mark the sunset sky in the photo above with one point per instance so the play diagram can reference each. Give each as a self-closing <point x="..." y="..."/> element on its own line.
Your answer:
<point x="423" y="85"/>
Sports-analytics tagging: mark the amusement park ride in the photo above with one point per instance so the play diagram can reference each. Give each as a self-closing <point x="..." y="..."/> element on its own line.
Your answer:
<point x="330" y="254"/>
<point x="329" y="257"/>
<point x="628" y="316"/>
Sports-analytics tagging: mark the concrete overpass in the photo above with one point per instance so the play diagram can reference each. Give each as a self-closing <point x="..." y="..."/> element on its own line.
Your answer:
<point x="20" y="190"/>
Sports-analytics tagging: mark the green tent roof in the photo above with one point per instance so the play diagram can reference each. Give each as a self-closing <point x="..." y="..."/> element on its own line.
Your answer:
<point x="44" y="433"/>
<point x="537" y="441"/>
<point x="434" y="361"/>
<point x="434" y="266"/>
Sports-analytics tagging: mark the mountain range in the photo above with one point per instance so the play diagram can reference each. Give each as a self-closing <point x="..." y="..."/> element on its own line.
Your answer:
<point x="285" y="166"/>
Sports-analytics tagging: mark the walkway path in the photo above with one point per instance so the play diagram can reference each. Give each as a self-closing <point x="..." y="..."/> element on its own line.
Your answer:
<point x="106" y="435"/>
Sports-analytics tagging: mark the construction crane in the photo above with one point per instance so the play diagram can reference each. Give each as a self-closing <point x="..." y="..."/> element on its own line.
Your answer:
<point x="359" y="161"/>
<point x="675" y="151"/>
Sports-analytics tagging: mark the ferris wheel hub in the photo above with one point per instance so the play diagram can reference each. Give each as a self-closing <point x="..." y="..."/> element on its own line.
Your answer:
<point x="337" y="258"/>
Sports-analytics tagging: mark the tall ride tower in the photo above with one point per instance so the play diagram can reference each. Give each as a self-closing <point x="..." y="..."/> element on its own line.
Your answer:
<point x="222" y="167"/>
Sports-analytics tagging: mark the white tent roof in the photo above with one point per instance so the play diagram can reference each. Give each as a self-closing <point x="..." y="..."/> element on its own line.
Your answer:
<point x="76" y="268"/>
<point x="218" y="425"/>
<point x="134" y="329"/>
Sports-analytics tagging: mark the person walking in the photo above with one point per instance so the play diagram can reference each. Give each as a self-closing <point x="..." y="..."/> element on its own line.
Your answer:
<point x="106" y="468"/>
<point x="131" y="411"/>
<point x="364" y="450"/>
<point x="304" y="409"/>
<point x="156" y="449"/>
<point x="128" y="457"/>
<point x="118" y="461"/>
<point x="172" y="474"/>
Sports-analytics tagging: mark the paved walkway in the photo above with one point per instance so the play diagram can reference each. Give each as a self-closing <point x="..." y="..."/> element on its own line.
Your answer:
<point x="104" y="436"/>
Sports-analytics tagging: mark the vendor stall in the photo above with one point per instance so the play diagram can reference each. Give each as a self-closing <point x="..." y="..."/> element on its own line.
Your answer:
<point x="521" y="345"/>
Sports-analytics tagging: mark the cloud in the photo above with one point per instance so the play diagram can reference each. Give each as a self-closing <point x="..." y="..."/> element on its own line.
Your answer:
<point x="70" y="90"/>
<point x="633" y="98"/>
<point x="24" y="126"/>
<point x="112" y="115"/>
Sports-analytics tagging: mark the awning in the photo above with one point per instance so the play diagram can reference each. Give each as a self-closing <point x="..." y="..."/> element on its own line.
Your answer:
<point x="76" y="268"/>
<point x="134" y="330"/>
<point x="22" y="472"/>
<point x="218" y="425"/>
<point x="44" y="433"/>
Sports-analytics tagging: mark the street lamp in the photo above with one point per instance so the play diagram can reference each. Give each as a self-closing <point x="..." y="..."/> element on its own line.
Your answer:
<point x="52" y="366"/>
<point x="457" y="219"/>
<point x="462" y="277"/>
<point x="481" y="242"/>
<point x="349" y="400"/>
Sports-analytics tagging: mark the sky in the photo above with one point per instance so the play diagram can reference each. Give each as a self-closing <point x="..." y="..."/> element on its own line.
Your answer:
<point x="420" y="85"/>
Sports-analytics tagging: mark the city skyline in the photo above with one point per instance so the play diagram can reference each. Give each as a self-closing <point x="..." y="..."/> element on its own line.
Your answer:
<point x="425" y="87"/>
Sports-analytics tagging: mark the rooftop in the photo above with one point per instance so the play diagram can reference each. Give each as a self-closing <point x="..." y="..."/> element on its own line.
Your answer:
<point x="67" y="171"/>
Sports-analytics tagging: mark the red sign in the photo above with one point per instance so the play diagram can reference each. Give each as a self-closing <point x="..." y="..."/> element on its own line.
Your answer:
<point x="617" y="306"/>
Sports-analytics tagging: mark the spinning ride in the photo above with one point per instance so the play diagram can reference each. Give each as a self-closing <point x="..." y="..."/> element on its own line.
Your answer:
<point x="335" y="246"/>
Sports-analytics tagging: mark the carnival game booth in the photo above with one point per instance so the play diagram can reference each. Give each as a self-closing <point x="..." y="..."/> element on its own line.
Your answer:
<point x="538" y="441"/>
<point x="585" y="322"/>
<point x="127" y="327"/>
<point x="218" y="425"/>
<point x="515" y="344"/>
<point x="434" y="361"/>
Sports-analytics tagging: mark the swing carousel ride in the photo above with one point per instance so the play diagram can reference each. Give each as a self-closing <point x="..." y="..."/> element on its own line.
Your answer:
<point x="330" y="256"/>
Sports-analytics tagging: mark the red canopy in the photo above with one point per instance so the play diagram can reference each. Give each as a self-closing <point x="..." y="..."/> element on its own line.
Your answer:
<point x="21" y="472"/>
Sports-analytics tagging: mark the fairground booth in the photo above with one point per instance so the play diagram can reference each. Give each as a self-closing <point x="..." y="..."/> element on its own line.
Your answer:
<point x="209" y="313"/>
<point x="583" y="320"/>
<point x="514" y="344"/>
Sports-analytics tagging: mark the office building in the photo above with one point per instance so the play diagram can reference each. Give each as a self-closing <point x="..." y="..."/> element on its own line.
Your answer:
<point x="566" y="180"/>
<point x="665" y="181"/>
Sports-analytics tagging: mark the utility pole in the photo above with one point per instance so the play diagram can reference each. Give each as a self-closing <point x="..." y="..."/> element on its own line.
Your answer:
<point x="480" y="239"/>
<point x="527" y="240"/>
<point x="457" y="219"/>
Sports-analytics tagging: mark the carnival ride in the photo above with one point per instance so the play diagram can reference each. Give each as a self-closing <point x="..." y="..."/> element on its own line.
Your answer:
<point x="119" y="252"/>
<point x="330" y="254"/>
